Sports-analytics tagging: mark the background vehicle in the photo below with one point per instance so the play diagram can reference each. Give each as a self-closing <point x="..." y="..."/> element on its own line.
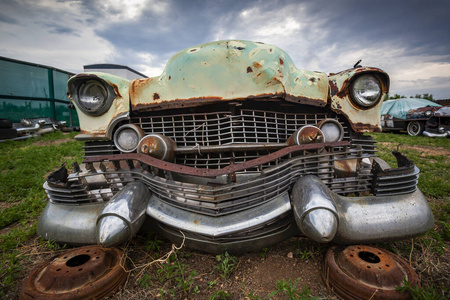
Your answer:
<point x="407" y="114"/>
<point x="439" y="124"/>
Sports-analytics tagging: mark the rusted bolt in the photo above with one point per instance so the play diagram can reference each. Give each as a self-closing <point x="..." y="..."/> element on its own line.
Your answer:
<point x="144" y="148"/>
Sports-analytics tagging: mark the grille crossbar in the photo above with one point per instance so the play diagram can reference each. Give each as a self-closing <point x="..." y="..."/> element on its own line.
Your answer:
<point x="207" y="198"/>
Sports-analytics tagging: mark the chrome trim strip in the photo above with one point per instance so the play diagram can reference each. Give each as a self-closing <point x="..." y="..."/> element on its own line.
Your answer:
<point x="217" y="226"/>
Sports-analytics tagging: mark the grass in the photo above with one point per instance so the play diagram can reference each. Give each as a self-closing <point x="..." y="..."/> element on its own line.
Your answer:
<point x="425" y="253"/>
<point x="290" y="290"/>
<point x="25" y="165"/>
<point x="23" y="169"/>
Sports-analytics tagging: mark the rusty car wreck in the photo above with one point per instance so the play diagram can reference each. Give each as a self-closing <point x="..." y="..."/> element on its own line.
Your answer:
<point x="233" y="149"/>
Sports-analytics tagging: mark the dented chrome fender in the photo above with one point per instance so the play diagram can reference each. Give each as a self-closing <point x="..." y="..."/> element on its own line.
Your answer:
<point x="323" y="215"/>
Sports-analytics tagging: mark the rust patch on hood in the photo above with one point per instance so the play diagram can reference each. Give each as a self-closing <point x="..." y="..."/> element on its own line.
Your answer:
<point x="305" y="100"/>
<point x="177" y="103"/>
<point x="365" y="127"/>
<point x="257" y="65"/>
<point x="200" y="101"/>
<point x="116" y="89"/>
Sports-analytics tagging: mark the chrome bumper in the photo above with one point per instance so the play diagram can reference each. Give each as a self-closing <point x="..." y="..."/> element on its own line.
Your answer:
<point x="431" y="134"/>
<point x="312" y="207"/>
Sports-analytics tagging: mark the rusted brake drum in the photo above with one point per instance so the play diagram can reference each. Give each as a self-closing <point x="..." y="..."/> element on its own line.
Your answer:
<point x="364" y="272"/>
<point x="83" y="273"/>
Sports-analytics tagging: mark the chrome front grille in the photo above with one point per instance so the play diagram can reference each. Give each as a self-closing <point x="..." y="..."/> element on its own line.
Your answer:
<point x="224" y="128"/>
<point x="227" y="125"/>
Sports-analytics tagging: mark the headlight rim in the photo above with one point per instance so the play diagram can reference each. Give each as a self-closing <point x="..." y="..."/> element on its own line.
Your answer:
<point x="356" y="101"/>
<point x="76" y="84"/>
<point x="338" y="126"/>
<point x="138" y="130"/>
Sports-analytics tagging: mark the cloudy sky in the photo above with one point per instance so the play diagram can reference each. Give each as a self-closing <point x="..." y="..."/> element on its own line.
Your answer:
<point x="410" y="40"/>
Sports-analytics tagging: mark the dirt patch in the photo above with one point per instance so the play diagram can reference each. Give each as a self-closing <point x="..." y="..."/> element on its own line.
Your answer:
<point x="426" y="151"/>
<point x="4" y="205"/>
<point x="256" y="274"/>
<point x="56" y="142"/>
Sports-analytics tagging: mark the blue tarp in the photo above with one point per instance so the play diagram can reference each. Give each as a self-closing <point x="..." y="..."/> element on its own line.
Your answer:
<point x="398" y="108"/>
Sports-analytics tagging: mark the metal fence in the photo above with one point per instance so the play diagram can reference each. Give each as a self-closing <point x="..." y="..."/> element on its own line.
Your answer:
<point x="29" y="90"/>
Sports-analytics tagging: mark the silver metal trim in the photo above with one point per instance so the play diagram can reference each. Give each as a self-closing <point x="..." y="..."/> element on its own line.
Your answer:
<point x="121" y="117"/>
<point x="217" y="226"/>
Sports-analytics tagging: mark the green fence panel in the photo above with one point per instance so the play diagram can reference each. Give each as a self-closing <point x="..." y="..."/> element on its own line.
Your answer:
<point x="16" y="109"/>
<point x="34" y="91"/>
<point x="23" y="80"/>
<point x="60" y="85"/>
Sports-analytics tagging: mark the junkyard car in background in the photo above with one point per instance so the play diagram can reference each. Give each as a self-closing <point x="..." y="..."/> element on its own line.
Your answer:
<point x="439" y="124"/>
<point x="28" y="128"/>
<point x="233" y="148"/>
<point x="407" y="114"/>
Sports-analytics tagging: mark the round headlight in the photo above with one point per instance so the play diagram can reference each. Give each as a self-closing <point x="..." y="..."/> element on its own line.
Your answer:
<point x="92" y="95"/>
<point x="127" y="137"/>
<point x="332" y="130"/>
<point x="428" y="113"/>
<point x="366" y="90"/>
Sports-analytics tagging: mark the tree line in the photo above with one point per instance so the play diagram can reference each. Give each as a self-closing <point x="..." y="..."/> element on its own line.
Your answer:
<point x="420" y="96"/>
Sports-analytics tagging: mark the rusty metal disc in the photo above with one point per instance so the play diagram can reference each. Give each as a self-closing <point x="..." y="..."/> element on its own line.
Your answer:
<point x="365" y="272"/>
<point x="83" y="273"/>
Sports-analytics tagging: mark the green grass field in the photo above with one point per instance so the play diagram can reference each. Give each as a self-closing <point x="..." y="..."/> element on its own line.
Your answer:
<point x="24" y="165"/>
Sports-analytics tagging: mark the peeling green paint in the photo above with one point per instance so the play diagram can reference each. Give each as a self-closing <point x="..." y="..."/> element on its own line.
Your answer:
<point x="230" y="70"/>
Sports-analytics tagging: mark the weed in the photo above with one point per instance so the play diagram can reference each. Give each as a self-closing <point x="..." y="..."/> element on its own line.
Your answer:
<point x="212" y="283"/>
<point x="306" y="254"/>
<point x="221" y="295"/>
<point x="289" y="289"/>
<point x="227" y="264"/>
<point x="428" y="293"/>
<point x="176" y="272"/>
<point x="196" y="290"/>
<point x="153" y="243"/>
<point x="145" y="281"/>
<point x="264" y="252"/>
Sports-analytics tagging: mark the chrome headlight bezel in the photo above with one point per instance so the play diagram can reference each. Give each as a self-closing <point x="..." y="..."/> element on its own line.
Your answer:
<point x="127" y="137"/>
<point x="366" y="90"/>
<point x="91" y="95"/>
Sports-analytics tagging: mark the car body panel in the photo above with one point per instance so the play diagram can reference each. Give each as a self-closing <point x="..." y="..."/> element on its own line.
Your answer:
<point x="228" y="70"/>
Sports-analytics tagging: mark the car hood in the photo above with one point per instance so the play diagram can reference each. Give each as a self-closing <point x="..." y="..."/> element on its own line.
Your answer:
<point x="228" y="70"/>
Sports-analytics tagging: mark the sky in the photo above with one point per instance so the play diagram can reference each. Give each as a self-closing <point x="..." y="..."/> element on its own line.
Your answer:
<point x="410" y="40"/>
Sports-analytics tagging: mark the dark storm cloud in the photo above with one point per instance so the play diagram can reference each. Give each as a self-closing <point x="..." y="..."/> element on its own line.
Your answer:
<point x="185" y="24"/>
<point x="6" y="19"/>
<point x="417" y="25"/>
<point x="408" y="39"/>
<point x="58" y="29"/>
